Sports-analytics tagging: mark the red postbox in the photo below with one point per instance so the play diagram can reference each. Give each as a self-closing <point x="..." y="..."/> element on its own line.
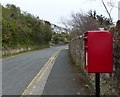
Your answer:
<point x="98" y="52"/>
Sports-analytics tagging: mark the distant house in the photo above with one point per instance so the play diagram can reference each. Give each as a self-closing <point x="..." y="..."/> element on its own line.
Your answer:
<point x="58" y="29"/>
<point x="66" y="31"/>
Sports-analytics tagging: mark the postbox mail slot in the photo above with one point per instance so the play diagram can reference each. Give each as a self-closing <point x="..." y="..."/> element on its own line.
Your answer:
<point x="98" y="52"/>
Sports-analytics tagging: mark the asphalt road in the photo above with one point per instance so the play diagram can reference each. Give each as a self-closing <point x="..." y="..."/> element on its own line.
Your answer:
<point x="17" y="72"/>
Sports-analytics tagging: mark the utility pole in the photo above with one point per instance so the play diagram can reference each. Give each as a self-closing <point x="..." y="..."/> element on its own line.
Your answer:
<point x="119" y="10"/>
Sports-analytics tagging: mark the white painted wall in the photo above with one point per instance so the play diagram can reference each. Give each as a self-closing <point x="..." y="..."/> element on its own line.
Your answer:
<point x="119" y="10"/>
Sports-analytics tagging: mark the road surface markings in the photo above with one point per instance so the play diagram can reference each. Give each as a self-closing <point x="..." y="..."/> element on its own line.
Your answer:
<point x="30" y="93"/>
<point x="34" y="86"/>
<point x="37" y="85"/>
<point x="42" y="73"/>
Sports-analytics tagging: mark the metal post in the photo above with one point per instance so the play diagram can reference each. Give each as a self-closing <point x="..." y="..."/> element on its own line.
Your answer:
<point x="119" y="10"/>
<point x="97" y="83"/>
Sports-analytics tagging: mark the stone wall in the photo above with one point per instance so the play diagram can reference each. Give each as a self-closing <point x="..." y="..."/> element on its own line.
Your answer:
<point x="116" y="56"/>
<point x="76" y="50"/>
<point x="77" y="55"/>
<point x="110" y="83"/>
<point x="17" y="50"/>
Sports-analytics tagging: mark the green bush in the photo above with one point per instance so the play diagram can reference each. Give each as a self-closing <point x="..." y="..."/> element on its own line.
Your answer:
<point x="23" y="29"/>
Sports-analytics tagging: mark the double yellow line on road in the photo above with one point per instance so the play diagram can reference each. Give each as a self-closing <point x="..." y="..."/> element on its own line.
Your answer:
<point x="42" y="71"/>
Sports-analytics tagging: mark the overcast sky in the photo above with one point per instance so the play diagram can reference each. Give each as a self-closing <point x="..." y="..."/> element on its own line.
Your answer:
<point x="54" y="10"/>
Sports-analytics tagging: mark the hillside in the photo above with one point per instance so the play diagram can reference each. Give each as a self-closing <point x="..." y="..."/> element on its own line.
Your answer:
<point x="22" y="29"/>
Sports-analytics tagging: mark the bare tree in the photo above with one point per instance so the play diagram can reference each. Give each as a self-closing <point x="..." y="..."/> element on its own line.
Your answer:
<point x="81" y="23"/>
<point x="108" y="5"/>
<point x="108" y="12"/>
<point x="64" y="22"/>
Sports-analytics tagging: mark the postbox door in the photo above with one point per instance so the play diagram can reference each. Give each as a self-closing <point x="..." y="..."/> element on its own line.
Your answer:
<point x="98" y="52"/>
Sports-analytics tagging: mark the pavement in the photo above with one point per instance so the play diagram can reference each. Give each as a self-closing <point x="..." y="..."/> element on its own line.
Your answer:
<point x="42" y="72"/>
<point x="62" y="79"/>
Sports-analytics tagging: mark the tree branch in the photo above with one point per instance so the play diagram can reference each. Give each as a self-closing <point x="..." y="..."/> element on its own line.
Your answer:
<point x="106" y="10"/>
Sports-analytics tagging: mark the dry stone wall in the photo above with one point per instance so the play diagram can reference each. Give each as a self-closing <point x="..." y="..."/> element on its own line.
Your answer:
<point x="116" y="56"/>
<point x="11" y="51"/>
<point x="110" y="83"/>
